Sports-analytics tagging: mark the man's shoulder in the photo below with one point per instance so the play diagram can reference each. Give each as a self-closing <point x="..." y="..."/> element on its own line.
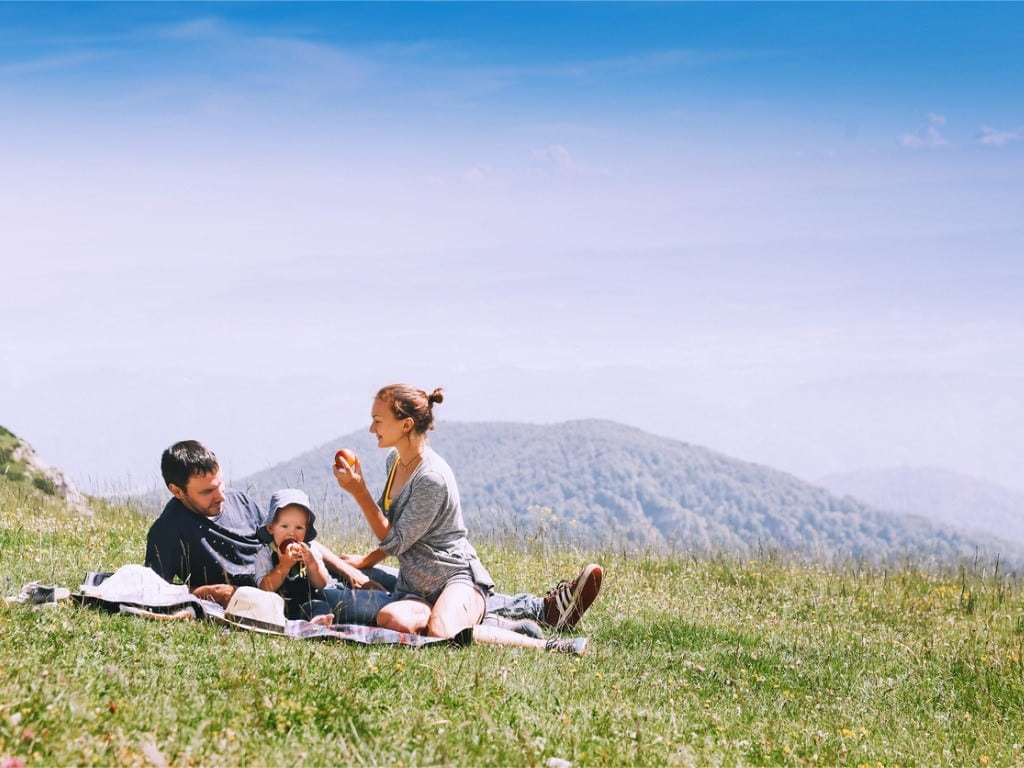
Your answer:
<point x="169" y="522"/>
<point x="238" y="498"/>
<point x="237" y="504"/>
<point x="171" y="511"/>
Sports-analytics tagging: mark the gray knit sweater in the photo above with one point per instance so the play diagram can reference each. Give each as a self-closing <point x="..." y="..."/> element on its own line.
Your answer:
<point x="428" y="535"/>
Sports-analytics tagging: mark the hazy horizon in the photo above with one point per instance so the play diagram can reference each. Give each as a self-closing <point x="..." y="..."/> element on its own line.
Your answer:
<point x="787" y="232"/>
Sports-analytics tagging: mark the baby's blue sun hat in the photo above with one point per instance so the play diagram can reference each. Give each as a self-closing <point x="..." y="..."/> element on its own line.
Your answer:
<point x="284" y="498"/>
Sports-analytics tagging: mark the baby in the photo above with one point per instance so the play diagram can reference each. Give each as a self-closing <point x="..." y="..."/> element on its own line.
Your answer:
<point x="288" y="563"/>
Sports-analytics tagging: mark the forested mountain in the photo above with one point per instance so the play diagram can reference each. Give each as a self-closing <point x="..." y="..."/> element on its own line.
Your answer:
<point x="944" y="497"/>
<point x="599" y="483"/>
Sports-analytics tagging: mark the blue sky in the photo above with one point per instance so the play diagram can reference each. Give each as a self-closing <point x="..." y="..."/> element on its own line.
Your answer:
<point x="790" y="232"/>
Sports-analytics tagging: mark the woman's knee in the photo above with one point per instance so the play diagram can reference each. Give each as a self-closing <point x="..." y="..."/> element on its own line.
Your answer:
<point x="443" y="625"/>
<point x="390" y="621"/>
<point x="402" y="618"/>
<point x="459" y="606"/>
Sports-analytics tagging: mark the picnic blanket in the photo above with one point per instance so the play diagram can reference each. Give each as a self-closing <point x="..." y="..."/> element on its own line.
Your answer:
<point x="139" y="591"/>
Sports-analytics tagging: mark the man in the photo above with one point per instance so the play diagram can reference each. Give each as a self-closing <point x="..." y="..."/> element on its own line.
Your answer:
<point x="206" y="538"/>
<point x="206" y="535"/>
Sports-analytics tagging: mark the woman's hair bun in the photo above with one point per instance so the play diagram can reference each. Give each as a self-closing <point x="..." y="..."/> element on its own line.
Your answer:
<point x="437" y="396"/>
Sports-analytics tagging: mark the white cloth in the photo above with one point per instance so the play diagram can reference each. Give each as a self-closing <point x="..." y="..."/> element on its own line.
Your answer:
<point x="140" y="585"/>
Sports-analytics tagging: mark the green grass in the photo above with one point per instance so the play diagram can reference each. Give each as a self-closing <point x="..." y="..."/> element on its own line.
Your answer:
<point x="693" y="661"/>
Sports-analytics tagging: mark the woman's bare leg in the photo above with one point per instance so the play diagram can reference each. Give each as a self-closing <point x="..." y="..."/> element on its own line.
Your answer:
<point x="404" y="616"/>
<point x="460" y="605"/>
<point x="497" y="636"/>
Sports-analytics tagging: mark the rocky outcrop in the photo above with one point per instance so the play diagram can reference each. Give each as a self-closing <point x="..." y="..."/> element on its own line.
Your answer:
<point x="49" y="479"/>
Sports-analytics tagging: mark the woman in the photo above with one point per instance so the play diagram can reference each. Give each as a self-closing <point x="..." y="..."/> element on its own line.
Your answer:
<point x="442" y="585"/>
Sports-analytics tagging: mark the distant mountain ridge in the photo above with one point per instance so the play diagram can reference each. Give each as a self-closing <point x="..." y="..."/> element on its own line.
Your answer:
<point x="600" y="483"/>
<point x="948" y="498"/>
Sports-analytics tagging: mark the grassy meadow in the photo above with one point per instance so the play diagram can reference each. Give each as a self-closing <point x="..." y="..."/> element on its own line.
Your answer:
<point x="693" y="661"/>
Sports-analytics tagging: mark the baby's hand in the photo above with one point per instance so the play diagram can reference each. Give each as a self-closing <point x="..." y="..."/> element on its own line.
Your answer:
<point x="291" y="551"/>
<point x="305" y="552"/>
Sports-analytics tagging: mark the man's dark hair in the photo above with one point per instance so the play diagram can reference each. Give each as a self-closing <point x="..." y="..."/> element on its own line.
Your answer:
<point x="185" y="460"/>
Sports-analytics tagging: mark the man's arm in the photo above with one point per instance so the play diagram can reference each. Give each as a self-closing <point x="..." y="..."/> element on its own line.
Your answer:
<point x="163" y="552"/>
<point x="342" y="567"/>
<point x="218" y="593"/>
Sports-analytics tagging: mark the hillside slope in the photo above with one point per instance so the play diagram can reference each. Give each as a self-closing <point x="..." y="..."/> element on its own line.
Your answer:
<point x="594" y="483"/>
<point x="19" y="463"/>
<point x="948" y="498"/>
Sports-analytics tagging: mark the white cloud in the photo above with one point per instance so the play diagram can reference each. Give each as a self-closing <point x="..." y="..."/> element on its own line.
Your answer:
<point x="58" y="62"/>
<point x="557" y="157"/>
<point x="992" y="137"/>
<point x="928" y="136"/>
<point x="644" y="63"/>
<point x="478" y="174"/>
<point x="194" y="29"/>
<point x="289" y="62"/>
